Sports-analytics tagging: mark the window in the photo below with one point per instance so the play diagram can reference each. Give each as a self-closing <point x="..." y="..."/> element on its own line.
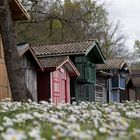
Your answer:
<point x="122" y="82"/>
<point x="118" y="82"/>
<point x="115" y="81"/>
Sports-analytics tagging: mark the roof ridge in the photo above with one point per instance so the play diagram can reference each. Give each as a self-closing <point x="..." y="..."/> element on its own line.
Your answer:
<point x="64" y="42"/>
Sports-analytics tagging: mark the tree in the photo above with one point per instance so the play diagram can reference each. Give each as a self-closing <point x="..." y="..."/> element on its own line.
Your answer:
<point x="135" y="56"/>
<point x="72" y="20"/>
<point x="12" y="60"/>
<point x="113" y="41"/>
<point x="137" y="46"/>
<point x="68" y="21"/>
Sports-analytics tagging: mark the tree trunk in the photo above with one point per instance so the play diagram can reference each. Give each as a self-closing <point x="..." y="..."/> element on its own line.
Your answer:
<point x="12" y="59"/>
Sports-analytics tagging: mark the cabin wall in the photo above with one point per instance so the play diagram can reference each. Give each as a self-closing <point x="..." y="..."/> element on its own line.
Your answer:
<point x="1" y="49"/>
<point x="5" y="91"/>
<point x="54" y="85"/>
<point x="100" y="89"/>
<point x="84" y="92"/>
<point x="84" y="85"/>
<point x="43" y="86"/>
<point x="72" y="89"/>
<point x="68" y="99"/>
<point x="30" y="76"/>
<point x="115" y="96"/>
<point x="132" y="95"/>
<point x="137" y="90"/>
<point x="125" y="95"/>
<point x="87" y="70"/>
<point x="116" y="93"/>
<point x="109" y="90"/>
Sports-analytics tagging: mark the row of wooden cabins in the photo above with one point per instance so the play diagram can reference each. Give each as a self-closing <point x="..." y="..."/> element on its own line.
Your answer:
<point x="67" y="72"/>
<point x="77" y="71"/>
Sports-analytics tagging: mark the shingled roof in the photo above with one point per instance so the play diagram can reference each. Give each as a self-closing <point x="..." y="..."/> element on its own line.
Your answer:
<point x="116" y="63"/>
<point x="54" y="63"/>
<point x="69" y="48"/>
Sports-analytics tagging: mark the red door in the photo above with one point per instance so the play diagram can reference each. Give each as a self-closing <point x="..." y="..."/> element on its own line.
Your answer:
<point x="63" y="91"/>
<point x="56" y="91"/>
<point x="56" y="87"/>
<point x="59" y="86"/>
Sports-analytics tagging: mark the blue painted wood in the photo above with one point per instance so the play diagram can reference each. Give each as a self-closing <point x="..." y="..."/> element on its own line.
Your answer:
<point x="118" y="82"/>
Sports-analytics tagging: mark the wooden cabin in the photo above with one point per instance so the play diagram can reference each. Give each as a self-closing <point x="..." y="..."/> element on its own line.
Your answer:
<point x="135" y="76"/>
<point x="54" y="83"/>
<point x="30" y="65"/>
<point x="84" y="55"/>
<point x="129" y="93"/>
<point x="116" y="85"/>
<point x="100" y="86"/>
<point x="18" y="13"/>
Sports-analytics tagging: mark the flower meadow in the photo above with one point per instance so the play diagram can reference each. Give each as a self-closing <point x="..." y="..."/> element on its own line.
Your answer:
<point x="85" y="121"/>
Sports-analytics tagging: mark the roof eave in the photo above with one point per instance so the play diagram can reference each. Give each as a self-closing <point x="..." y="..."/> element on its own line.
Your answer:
<point x="90" y="48"/>
<point x="101" y="54"/>
<point x="36" y="59"/>
<point x="103" y="73"/>
<point x="23" y="15"/>
<point x="28" y="48"/>
<point x="75" y="70"/>
<point x="95" y="44"/>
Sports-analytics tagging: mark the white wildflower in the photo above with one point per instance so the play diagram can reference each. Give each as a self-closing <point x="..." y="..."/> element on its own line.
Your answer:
<point x="72" y="119"/>
<point x="102" y="130"/>
<point x="12" y="134"/>
<point x="35" y="133"/>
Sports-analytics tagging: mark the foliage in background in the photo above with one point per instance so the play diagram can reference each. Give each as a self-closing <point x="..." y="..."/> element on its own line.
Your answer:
<point x="135" y="56"/>
<point x="71" y="20"/>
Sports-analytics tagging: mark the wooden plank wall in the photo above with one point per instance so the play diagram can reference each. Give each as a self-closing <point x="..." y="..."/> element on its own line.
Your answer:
<point x="100" y="89"/>
<point x="30" y="76"/>
<point x="4" y="83"/>
<point x="132" y="95"/>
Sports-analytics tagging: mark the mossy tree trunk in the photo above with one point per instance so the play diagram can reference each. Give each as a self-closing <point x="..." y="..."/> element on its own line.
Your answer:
<point x="12" y="59"/>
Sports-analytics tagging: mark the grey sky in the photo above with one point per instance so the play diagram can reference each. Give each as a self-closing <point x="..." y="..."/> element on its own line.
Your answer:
<point x="128" y="12"/>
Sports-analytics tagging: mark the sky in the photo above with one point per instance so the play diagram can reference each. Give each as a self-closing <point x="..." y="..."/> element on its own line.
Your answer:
<point x="128" y="13"/>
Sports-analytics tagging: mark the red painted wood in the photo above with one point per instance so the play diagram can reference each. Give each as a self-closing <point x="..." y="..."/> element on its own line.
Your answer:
<point x="60" y="87"/>
<point x="54" y="85"/>
<point x="55" y="90"/>
<point x="68" y="88"/>
<point x="63" y="91"/>
<point x="43" y="86"/>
